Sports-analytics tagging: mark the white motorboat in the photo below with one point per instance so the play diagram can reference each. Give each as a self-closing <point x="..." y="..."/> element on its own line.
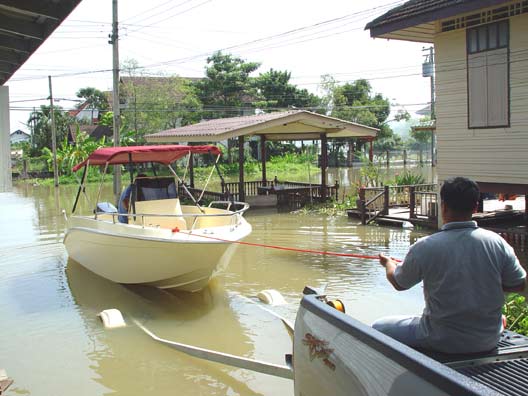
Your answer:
<point x="162" y="243"/>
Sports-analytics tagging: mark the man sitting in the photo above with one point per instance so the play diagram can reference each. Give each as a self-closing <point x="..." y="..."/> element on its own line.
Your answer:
<point x="123" y="205"/>
<point x="124" y="202"/>
<point x="465" y="271"/>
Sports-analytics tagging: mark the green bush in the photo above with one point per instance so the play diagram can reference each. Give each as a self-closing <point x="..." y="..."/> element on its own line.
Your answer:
<point x="408" y="178"/>
<point x="516" y="311"/>
<point x="331" y="207"/>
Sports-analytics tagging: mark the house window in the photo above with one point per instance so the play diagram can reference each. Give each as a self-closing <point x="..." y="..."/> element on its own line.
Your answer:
<point x="488" y="75"/>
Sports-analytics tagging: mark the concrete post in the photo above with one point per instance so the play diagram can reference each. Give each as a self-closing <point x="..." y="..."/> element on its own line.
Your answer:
<point x="6" y="182"/>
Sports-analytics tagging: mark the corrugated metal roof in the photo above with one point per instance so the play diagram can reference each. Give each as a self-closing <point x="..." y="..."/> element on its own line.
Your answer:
<point x="217" y="129"/>
<point x="221" y="125"/>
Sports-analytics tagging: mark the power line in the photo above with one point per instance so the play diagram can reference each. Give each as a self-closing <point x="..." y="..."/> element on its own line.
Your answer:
<point x="289" y="32"/>
<point x="177" y="14"/>
<point x="159" y="13"/>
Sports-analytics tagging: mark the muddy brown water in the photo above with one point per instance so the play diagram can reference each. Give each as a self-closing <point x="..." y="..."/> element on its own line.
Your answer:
<point x="52" y="343"/>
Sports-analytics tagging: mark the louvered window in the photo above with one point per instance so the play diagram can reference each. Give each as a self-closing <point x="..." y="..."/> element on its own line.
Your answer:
<point x="488" y="75"/>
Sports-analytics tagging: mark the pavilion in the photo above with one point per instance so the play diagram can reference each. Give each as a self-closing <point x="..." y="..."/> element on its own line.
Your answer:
<point x="293" y="125"/>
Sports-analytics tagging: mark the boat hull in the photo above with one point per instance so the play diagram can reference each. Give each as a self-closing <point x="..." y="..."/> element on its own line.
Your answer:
<point x="151" y="256"/>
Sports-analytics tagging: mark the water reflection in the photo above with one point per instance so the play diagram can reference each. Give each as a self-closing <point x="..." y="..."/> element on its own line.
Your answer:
<point x="123" y="354"/>
<point x="49" y="304"/>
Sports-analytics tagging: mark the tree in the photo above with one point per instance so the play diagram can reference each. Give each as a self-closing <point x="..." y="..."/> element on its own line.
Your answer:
<point x="153" y="104"/>
<point x="41" y="119"/>
<point x="422" y="136"/>
<point x="356" y="102"/>
<point x="227" y="86"/>
<point x="276" y="91"/>
<point x="95" y="99"/>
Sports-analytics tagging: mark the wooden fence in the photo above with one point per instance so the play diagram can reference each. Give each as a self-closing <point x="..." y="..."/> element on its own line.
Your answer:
<point x="421" y="199"/>
<point x="290" y="195"/>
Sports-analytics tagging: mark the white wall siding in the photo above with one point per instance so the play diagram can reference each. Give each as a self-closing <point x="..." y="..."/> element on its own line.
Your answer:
<point x="494" y="155"/>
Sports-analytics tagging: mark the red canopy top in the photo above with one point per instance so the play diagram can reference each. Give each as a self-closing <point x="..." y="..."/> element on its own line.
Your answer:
<point x="138" y="154"/>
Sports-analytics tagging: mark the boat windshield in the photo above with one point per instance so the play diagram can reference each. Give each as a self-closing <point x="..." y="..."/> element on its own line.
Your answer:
<point x="153" y="188"/>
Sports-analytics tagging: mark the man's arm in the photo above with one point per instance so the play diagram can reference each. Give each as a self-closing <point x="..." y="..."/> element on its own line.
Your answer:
<point x="390" y="266"/>
<point x="512" y="289"/>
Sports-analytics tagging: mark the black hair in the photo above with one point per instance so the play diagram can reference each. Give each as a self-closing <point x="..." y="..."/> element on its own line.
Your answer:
<point x="460" y="194"/>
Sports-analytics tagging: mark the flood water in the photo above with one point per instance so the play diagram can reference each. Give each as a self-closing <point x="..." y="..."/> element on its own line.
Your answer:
<point x="52" y="343"/>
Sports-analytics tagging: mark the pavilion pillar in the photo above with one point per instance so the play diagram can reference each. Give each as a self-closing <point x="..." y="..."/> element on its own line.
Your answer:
<point x="6" y="182"/>
<point x="191" y="170"/>
<point x="241" y="186"/>
<point x="324" y="164"/>
<point x="263" y="158"/>
<point x="371" y="151"/>
<point x="526" y="207"/>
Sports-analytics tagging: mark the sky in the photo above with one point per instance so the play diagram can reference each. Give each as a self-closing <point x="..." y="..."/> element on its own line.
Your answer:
<point x="308" y="38"/>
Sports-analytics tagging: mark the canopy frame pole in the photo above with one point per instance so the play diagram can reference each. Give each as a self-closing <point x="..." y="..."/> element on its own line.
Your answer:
<point x="186" y="189"/>
<point x="100" y="188"/>
<point x="81" y="186"/>
<point x="209" y="178"/>
<point x="186" y="167"/>
<point x="84" y="188"/>
<point x="191" y="169"/>
<point x="130" y="168"/>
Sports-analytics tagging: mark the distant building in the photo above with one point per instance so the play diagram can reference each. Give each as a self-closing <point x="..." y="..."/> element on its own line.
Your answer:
<point x="20" y="136"/>
<point x="96" y="132"/>
<point x="85" y="114"/>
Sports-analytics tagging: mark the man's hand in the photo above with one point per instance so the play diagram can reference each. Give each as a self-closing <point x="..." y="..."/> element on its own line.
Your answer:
<point x="390" y="266"/>
<point x="384" y="260"/>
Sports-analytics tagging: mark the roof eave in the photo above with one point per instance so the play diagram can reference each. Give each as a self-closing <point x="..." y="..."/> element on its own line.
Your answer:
<point x="381" y="29"/>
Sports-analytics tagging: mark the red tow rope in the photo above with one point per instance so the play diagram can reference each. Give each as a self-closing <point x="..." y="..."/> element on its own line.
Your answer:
<point x="362" y="256"/>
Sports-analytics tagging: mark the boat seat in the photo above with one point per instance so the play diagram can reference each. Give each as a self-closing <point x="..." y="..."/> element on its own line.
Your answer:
<point x="161" y="207"/>
<point x="507" y="341"/>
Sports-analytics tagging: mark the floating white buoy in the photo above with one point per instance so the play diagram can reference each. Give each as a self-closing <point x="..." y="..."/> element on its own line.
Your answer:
<point x="112" y="318"/>
<point x="271" y="297"/>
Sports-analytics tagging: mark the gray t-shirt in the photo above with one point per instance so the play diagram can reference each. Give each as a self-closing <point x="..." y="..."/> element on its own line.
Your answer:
<point x="463" y="269"/>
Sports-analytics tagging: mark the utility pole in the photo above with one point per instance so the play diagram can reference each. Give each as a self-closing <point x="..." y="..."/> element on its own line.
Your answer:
<point x="53" y="137"/>
<point x="114" y="40"/>
<point x="428" y="71"/>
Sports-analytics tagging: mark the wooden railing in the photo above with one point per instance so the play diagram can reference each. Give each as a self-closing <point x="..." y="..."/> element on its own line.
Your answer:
<point x="376" y="201"/>
<point x="250" y="187"/>
<point x="299" y="192"/>
<point x="425" y="204"/>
